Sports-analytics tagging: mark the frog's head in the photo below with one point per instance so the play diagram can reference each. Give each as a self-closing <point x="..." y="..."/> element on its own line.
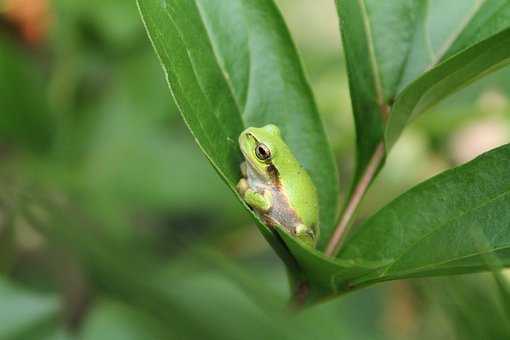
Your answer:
<point x="262" y="148"/>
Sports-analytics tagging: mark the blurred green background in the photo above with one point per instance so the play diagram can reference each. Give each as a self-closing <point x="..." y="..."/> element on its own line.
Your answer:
<point x="113" y="225"/>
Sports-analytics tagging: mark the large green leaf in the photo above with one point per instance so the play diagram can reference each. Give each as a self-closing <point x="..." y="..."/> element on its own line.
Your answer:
<point x="232" y="64"/>
<point x="405" y="55"/>
<point x="449" y="224"/>
<point x="444" y="225"/>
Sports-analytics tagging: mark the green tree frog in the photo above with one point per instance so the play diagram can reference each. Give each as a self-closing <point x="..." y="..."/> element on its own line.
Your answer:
<point x="275" y="184"/>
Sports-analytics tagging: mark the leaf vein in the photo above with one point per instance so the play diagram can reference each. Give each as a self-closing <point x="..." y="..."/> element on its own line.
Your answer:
<point x="453" y="259"/>
<point x="218" y="59"/>
<point x="376" y="76"/>
<point x="455" y="35"/>
<point x="440" y="227"/>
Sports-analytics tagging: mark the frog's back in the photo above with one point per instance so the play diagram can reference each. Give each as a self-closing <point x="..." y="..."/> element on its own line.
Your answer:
<point x="302" y="197"/>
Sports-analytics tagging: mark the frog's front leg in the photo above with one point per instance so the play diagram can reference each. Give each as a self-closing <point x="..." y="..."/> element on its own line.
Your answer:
<point x="242" y="186"/>
<point x="261" y="202"/>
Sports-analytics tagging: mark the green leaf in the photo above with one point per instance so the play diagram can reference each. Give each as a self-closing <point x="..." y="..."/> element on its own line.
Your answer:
<point x="404" y="56"/>
<point x="25" y="118"/>
<point x="445" y="225"/>
<point x="7" y="240"/>
<point x="111" y="320"/>
<point x="230" y="65"/>
<point x="471" y="305"/>
<point x="446" y="78"/>
<point x="22" y="311"/>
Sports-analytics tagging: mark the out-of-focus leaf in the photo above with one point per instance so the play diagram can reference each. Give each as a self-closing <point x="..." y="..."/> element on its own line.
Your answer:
<point x="125" y="142"/>
<point x="116" y="25"/>
<point x="404" y="56"/>
<point x="174" y="298"/>
<point x="58" y="334"/>
<point x="133" y="278"/>
<point x="503" y="291"/>
<point x="115" y="321"/>
<point x="470" y="305"/>
<point x="211" y="294"/>
<point x="22" y="310"/>
<point x="7" y="246"/>
<point x="25" y="118"/>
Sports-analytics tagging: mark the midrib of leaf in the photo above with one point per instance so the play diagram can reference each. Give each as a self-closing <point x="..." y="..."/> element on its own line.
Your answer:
<point x="219" y="61"/>
<point x="428" y="42"/>
<point x="216" y="59"/>
<point x="443" y="226"/>
<point x="193" y="68"/>
<point x="437" y="56"/>
<point x="453" y="259"/>
<point x="177" y="102"/>
<point x="456" y="34"/>
<point x="370" y="279"/>
<point x="376" y="76"/>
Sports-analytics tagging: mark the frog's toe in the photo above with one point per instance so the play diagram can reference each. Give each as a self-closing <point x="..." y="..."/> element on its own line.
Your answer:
<point x="306" y="235"/>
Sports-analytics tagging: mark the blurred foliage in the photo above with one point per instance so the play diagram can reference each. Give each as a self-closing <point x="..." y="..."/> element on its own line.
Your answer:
<point x="114" y="226"/>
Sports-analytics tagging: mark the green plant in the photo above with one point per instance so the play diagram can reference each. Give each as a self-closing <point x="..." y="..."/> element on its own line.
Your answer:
<point x="232" y="64"/>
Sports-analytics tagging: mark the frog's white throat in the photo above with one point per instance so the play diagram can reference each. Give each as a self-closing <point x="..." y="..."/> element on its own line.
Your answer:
<point x="256" y="175"/>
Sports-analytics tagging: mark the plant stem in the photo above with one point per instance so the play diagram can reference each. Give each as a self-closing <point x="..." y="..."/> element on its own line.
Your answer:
<point x="354" y="201"/>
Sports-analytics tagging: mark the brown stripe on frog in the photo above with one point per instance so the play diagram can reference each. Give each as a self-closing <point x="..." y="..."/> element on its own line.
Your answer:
<point x="282" y="213"/>
<point x="274" y="174"/>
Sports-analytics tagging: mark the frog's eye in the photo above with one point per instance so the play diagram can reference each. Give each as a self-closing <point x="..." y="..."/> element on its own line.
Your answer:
<point x="262" y="151"/>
